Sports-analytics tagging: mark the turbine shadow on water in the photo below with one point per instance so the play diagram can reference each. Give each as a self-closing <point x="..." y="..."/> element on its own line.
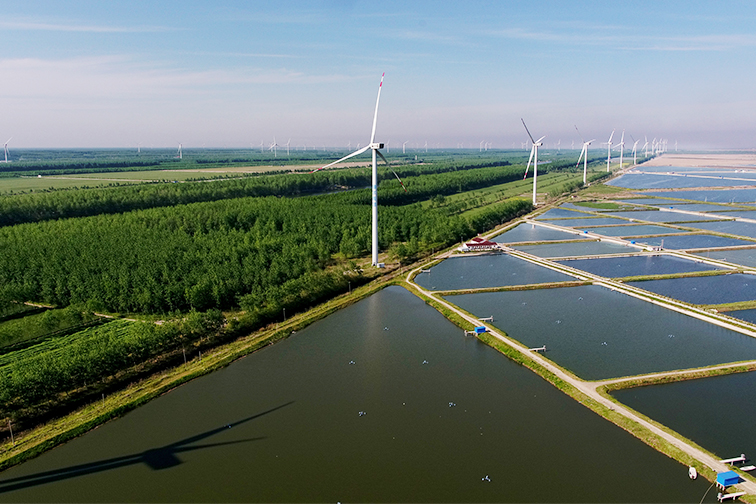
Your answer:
<point x="156" y="459"/>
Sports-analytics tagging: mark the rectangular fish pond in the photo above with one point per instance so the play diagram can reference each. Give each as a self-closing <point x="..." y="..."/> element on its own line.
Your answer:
<point x="716" y="413"/>
<point x="533" y="233"/>
<point x="577" y="249"/>
<point x="633" y="230"/>
<point x="745" y="229"/>
<point x="663" y="181"/>
<point x="711" y="195"/>
<point x="660" y="216"/>
<point x="700" y="241"/>
<point x="488" y="270"/>
<point x="383" y="401"/>
<point x="598" y="333"/>
<point x="639" y="265"/>
<point x="744" y="257"/>
<point x="720" y="289"/>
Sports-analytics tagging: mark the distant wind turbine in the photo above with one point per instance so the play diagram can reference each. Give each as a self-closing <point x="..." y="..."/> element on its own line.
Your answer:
<point x="403" y="145"/>
<point x="635" y="150"/>
<point x="376" y="153"/>
<point x="287" y="146"/>
<point x="273" y="147"/>
<point x="584" y="155"/>
<point x="622" y="148"/>
<point x="5" y="149"/>
<point x="533" y="153"/>
<point x="609" y="151"/>
<point x="180" y="154"/>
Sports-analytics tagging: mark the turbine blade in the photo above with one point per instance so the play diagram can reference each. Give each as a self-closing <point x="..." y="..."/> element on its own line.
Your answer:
<point x="375" y="116"/>
<point x="581" y="155"/>
<point x="581" y="136"/>
<point x="589" y="141"/>
<point x="6" y="142"/>
<point x="355" y="153"/>
<point x="381" y="156"/>
<point x="540" y="139"/>
<point x="526" y="129"/>
<point x="392" y="170"/>
<point x="611" y="136"/>
<point x="532" y="151"/>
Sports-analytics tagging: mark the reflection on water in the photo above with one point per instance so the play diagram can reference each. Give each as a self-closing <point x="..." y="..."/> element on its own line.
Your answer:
<point x="532" y="232"/>
<point x="444" y="418"/>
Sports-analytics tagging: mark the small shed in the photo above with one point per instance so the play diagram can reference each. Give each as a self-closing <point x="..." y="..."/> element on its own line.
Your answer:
<point x="725" y="479"/>
<point x="480" y="329"/>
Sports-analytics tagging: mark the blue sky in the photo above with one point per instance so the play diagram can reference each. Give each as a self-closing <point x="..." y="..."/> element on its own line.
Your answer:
<point x="233" y="74"/>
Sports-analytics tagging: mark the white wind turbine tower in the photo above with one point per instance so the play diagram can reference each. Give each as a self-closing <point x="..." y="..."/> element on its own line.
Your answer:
<point x="480" y="148"/>
<point x="533" y="153"/>
<point x="403" y="145"/>
<point x="5" y="149"/>
<point x="376" y="152"/>
<point x="287" y="146"/>
<point x="645" y="146"/>
<point x="635" y="150"/>
<point x="273" y="147"/>
<point x="262" y="146"/>
<point x="426" y="146"/>
<point x="388" y="146"/>
<point x="584" y="156"/>
<point x="609" y="151"/>
<point x="180" y="154"/>
<point x="622" y="148"/>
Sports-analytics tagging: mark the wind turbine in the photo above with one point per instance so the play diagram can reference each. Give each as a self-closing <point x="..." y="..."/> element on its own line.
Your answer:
<point x="635" y="150"/>
<point x="405" y="143"/>
<point x="426" y="146"/>
<point x="584" y="156"/>
<point x="533" y="153"/>
<point x="388" y="146"/>
<point x="262" y="146"/>
<point x="273" y="147"/>
<point x="645" y="146"/>
<point x="622" y="147"/>
<point x="180" y="154"/>
<point x="287" y="146"/>
<point x="5" y="149"/>
<point x="480" y="149"/>
<point x="609" y="151"/>
<point x="374" y="147"/>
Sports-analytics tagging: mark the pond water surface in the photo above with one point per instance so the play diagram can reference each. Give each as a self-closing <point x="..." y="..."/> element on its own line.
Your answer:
<point x="576" y="249"/>
<point x="488" y="270"/>
<point x="745" y="257"/>
<point x="445" y="419"/>
<point x="633" y="230"/>
<point x="720" y="289"/>
<point x="613" y="267"/>
<point x="532" y="232"/>
<point x="716" y="196"/>
<point x="717" y="413"/>
<point x="661" y="216"/>
<point x="681" y="242"/>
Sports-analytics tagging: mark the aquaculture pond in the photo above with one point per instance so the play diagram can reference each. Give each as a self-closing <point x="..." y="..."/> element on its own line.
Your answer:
<point x="729" y="227"/>
<point x="488" y="270"/>
<point x="740" y="214"/>
<point x="633" y="230"/>
<point x="576" y="249"/>
<point x="716" y="413"/>
<point x="720" y="289"/>
<point x="652" y="201"/>
<point x="590" y="221"/>
<point x="744" y="257"/>
<point x="663" y="181"/>
<point x="599" y="333"/>
<point x="384" y="401"/>
<point x="661" y="216"/>
<point x="533" y="233"/>
<point x="559" y="213"/>
<point x="681" y="242"/>
<point x="715" y="196"/>
<point x="639" y="265"/>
